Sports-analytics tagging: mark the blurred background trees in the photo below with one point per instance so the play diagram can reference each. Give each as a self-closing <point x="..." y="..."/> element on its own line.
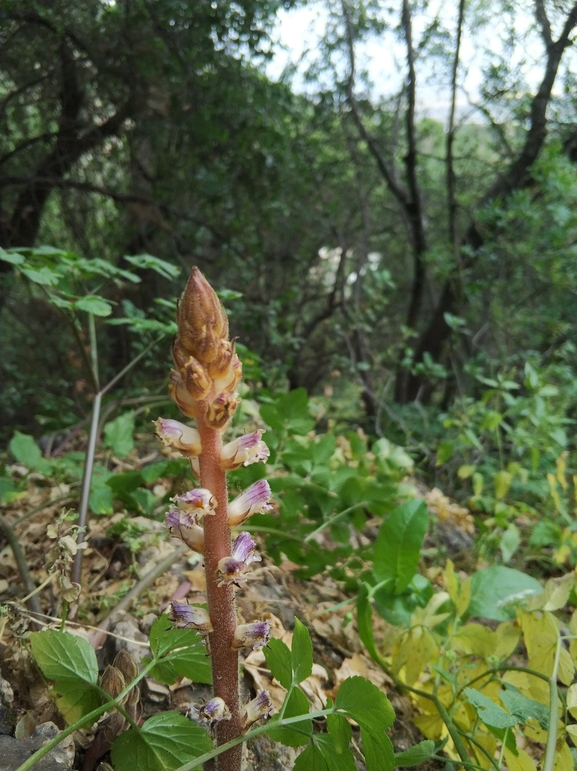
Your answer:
<point x="387" y="242"/>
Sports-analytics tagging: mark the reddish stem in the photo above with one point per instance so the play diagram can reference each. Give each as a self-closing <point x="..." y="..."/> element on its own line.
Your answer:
<point x="217" y="544"/>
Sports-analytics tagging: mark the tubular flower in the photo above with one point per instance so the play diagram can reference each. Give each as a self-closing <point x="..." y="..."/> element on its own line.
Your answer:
<point x="259" y="707"/>
<point x="198" y="502"/>
<point x="221" y="409"/>
<point x="190" y="617"/>
<point x="177" y="390"/>
<point x="230" y="569"/>
<point x="252" y="501"/>
<point x="182" y="524"/>
<point x="243" y="451"/>
<point x="174" y="434"/>
<point x="212" y="712"/>
<point x="255" y="635"/>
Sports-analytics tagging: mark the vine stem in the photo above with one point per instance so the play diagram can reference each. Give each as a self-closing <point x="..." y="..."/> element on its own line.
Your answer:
<point x="221" y="605"/>
<point x="549" y="761"/>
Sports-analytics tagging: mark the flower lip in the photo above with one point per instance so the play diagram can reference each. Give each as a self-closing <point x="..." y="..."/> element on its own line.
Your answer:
<point x="190" y="617"/>
<point x="253" y="501"/>
<point x="244" y="451"/>
<point x="198" y="501"/>
<point x="212" y="712"/>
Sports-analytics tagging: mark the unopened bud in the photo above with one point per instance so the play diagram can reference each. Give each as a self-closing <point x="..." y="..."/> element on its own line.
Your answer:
<point x="202" y="321"/>
<point x="178" y="393"/>
<point x="221" y="410"/>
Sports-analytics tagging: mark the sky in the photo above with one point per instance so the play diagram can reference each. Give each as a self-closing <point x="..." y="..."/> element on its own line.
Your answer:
<point x="298" y="32"/>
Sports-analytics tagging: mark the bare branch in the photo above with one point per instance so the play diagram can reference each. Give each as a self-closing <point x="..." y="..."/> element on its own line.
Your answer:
<point x="451" y="179"/>
<point x="543" y="21"/>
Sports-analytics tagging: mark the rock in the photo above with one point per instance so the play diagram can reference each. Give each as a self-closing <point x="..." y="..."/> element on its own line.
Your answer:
<point x="13" y="752"/>
<point x="128" y="628"/>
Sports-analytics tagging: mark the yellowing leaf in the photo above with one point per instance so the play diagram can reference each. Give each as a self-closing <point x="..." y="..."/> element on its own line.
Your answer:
<point x="572" y="701"/>
<point x="476" y="640"/>
<point x="561" y="464"/>
<point x="529" y="685"/>
<point x="418" y="650"/>
<point x="507" y="634"/>
<point x="572" y="731"/>
<point x="523" y="761"/>
<point x="502" y="481"/>
<point x="555" y="594"/>
<point x="563" y="758"/>
<point x="431" y="726"/>
<point x="490" y="745"/>
<point x="540" y="633"/>
<point x="566" y="667"/>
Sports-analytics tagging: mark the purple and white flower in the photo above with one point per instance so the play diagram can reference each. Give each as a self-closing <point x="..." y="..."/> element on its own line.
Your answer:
<point x="210" y="713"/>
<point x="231" y="569"/>
<point x="255" y="635"/>
<point x="190" y="617"/>
<point x="243" y="451"/>
<point x="253" y="501"/>
<point x="259" y="707"/>
<point x="198" y="502"/>
<point x="183" y="525"/>
<point x="174" y="434"/>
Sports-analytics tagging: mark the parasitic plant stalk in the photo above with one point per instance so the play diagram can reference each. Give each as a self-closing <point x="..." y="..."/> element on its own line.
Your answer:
<point x="203" y="385"/>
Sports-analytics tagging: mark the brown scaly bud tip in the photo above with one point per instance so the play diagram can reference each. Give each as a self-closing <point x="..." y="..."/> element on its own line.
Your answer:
<point x="202" y="321"/>
<point x="112" y="681"/>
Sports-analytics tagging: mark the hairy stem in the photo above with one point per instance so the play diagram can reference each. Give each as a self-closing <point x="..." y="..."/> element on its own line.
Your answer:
<point x="217" y="544"/>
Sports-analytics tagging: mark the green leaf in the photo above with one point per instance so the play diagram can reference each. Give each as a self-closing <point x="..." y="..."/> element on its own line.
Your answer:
<point x="340" y="731"/>
<point x="279" y="661"/>
<point x="365" y="703"/>
<point x="496" y="591"/>
<point x="523" y="708"/>
<point x="94" y="304"/>
<point x="510" y="541"/>
<point x="272" y="417"/>
<point x="416" y="755"/>
<point x="379" y="753"/>
<point x="119" y="434"/>
<point x="398" y="544"/>
<point x="364" y="622"/>
<point x="8" y="492"/>
<point x="445" y="451"/>
<point x="42" y="276"/>
<point x="490" y="713"/>
<point x="301" y="653"/>
<point x="14" y="258"/>
<point x="26" y="451"/>
<point x="148" y="262"/>
<point x="165" y="742"/>
<point x="299" y="733"/>
<point x="71" y="663"/>
<point x="321" y="755"/>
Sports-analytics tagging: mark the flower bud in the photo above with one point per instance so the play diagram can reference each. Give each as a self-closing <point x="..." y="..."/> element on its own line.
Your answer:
<point x="254" y="635"/>
<point x="190" y="617"/>
<point x="243" y="451"/>
<point x="230" y="378"/>
<point x="112" y="681"/>
<point x="253" y="501"/>
<point x="178" y="393"/>
<point x="211" y="713"/>
<point x="201" y="319"/>
<point x="231" y="569"/>
<point x="259" y="707"/>
<point x="182" y="524"/>
<point x="196" y="379"/>
<point x="198" y="502"/>
<point x="174" y="434"/>
<point x="124" y="662"/>
<point x="221" y="410"/>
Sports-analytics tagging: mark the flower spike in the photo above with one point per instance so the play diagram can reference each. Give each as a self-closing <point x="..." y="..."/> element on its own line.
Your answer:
<point x="253" y="501"/>
<point x="231" y="569"/>
<point x="190" y="617"/>
<point x="243" y="451"/>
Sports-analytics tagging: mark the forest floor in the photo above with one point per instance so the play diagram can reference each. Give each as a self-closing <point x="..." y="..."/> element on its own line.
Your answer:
<point x="123" y="593"/>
